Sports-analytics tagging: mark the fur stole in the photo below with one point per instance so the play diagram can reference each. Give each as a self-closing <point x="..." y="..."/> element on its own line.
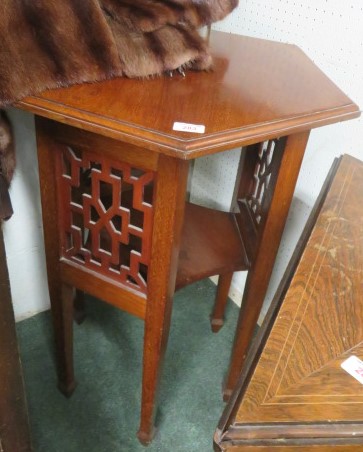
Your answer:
<point x="52" y="43"/>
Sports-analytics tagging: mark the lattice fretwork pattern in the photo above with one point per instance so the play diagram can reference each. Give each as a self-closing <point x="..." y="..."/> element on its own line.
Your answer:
<point x="261" y="179"/>
<point x="105" y="215"/>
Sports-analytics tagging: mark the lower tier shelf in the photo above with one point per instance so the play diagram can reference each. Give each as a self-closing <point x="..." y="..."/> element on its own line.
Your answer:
<point x="210" y="245"/>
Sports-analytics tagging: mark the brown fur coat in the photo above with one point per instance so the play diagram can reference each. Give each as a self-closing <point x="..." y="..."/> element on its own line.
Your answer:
<point x="51" y="43"/>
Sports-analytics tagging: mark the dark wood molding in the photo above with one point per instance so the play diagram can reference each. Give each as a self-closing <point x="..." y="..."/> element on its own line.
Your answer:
<point x="14" y="425"/>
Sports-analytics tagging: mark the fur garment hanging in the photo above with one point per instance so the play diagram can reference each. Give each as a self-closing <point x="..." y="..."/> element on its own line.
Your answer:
<point x="7" y="155"/>
<point x="7" y="166"/>
<point x="53" y="43"/>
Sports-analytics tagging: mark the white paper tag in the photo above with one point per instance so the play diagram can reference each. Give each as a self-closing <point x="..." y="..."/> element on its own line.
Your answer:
<point x="354" y="367"/>
<point x="192" y="128"/>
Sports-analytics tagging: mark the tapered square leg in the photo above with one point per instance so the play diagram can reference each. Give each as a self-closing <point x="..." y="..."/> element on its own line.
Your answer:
<point x="79" y="312"/>
<point x="63" y="327"/>
<point x="61" y="295"/>
<point x="168" y="218"/>
<point x="217" y="316"/>
<point x="263" y="261"/>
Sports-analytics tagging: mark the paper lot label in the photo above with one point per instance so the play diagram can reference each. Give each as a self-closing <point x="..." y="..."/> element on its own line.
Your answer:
<point x="354" y="366"/>
<point x="192" y="128"/>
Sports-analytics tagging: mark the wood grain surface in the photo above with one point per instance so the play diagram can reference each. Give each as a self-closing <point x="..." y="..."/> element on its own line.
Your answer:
<point x="293" y="393"/>
<point x="298" y="377"/>
<point x="257" y="89"/>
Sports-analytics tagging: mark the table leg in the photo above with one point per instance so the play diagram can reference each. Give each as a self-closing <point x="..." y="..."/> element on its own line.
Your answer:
<point x="169" y="205"/>
<point x="61" y="296"/>
<point x="79" y="313"/>
<point x="260" y="272"/>
<point x="217" y="316"/>
<point x="62" y="311"/>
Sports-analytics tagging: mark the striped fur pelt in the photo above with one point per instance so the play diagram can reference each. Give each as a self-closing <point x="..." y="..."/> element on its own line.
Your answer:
<point x="52" y="43"/>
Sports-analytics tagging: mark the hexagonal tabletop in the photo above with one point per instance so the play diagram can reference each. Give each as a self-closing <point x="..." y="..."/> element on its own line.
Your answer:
<point x="257" y="89"/>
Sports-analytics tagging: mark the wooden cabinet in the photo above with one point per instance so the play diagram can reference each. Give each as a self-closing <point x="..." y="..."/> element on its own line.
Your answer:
<point x="14" y="428"/>
<point x="293" y="393"/>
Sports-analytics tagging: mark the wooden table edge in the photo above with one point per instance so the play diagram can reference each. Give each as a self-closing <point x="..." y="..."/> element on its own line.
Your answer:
<point x="187" y="148"/>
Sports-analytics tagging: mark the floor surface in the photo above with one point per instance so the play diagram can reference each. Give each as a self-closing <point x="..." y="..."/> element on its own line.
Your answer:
<point x="103" y="413"/>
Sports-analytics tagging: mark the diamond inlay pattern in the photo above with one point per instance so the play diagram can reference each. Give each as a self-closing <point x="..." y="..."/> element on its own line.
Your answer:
<point x="106" y="215"/>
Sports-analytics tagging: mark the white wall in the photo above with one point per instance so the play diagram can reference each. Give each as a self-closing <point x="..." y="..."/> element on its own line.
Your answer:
<point x="23" y="232"/>
<point x="329" y="31"/>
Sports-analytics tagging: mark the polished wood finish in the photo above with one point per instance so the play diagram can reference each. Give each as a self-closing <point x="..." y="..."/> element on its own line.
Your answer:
<point x="202" y="252"/>
<point x="217" y="315"/>
<point x="292" y="389"/>
<point x="168" y="220"/>
<point x="258" y="90"/>
<point x="94" y="284"/>
<point x="130" y="122"/>
<point x="116" y="150"/>
<point x="62" y="326"/>
<point x="14" y="424"/>
<point x="105" y="215"/>
<point x="269" y="237"/>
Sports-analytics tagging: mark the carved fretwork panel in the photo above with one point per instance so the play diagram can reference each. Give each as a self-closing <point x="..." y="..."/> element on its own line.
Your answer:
<point x="105" y="215"/>
<point x="259" y="185"/>
<point x="259" y="168"/>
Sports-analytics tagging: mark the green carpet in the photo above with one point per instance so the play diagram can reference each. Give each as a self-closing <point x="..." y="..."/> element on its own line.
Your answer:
<point x="103" y="413"/>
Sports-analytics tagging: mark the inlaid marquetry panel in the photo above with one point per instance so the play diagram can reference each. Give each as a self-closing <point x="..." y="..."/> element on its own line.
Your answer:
<point x="298" y="377"/>
<point x="105" y="215"/>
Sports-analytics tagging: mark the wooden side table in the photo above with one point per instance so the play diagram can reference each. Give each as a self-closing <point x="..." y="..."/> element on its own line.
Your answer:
<point x="293" y="394"/>
<point x="117" y="137"/>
